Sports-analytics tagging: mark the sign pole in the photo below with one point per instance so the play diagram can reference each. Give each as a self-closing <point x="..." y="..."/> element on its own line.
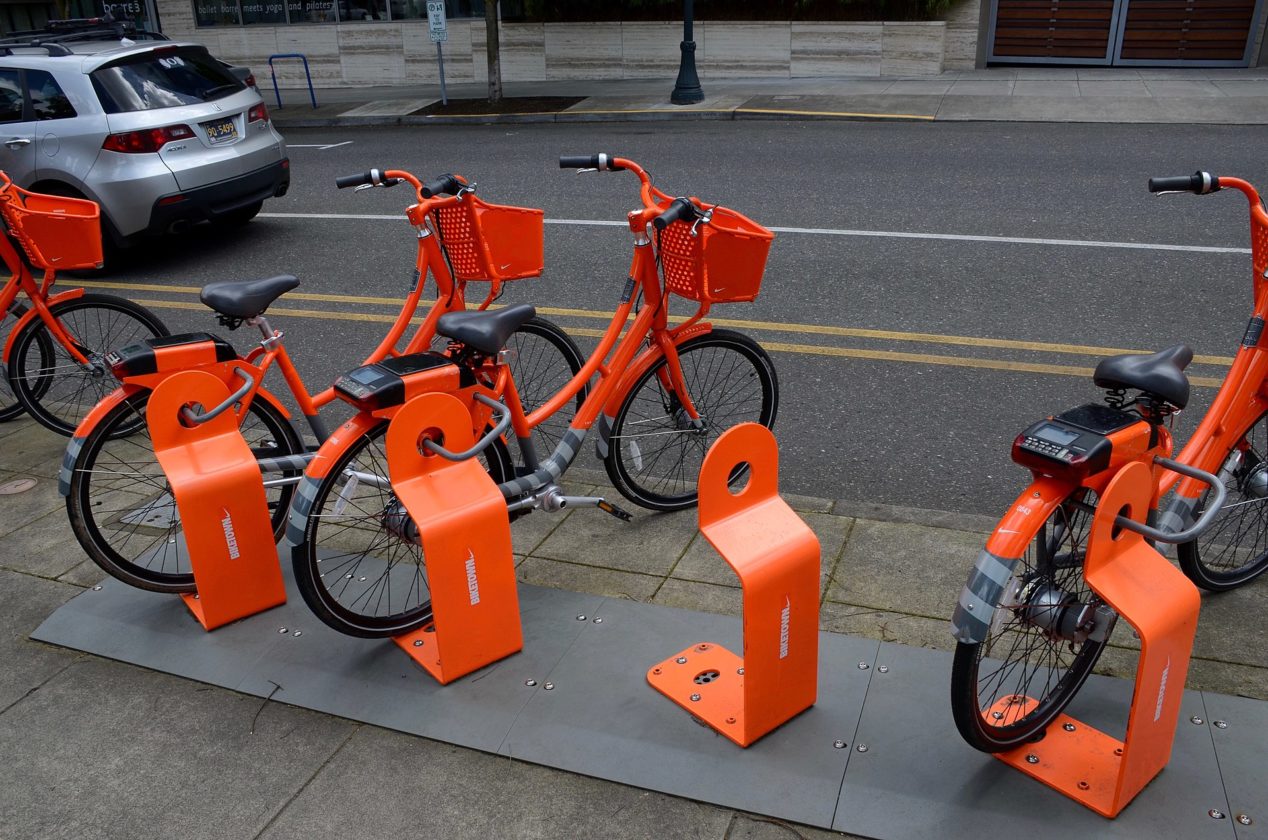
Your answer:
<point x="440" y="62"/>
<point x="437" y="27"/>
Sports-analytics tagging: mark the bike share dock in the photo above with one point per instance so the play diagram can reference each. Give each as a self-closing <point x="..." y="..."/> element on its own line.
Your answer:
<point x="877" y="755"/>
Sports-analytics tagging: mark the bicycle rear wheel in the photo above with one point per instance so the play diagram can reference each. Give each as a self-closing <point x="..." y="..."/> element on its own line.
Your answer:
<point x="10" y="407"/>
<point x="543" y="359"/>
<point x="655" y="451"/>
<point x="1006" y="689"/>
<point x="58" y="391"/>
<point x="1234" y="550"/>
<point x="359" y="566"/>
<point x="121" y="507"/>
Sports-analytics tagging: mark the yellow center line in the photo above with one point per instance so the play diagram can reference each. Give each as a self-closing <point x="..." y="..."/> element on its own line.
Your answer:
<point x="766" y="326"/>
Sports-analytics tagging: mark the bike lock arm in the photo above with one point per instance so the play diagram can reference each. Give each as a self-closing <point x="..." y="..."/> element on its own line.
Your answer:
<point x="1204" y="522"/>
<point x="201" y="417"/>
<point x="504" y="422"/>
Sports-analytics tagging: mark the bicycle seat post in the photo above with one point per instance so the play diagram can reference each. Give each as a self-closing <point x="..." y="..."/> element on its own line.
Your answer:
<point x="271" y="339"/>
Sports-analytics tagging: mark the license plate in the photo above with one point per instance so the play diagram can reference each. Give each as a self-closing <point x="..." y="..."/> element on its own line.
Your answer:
<point x="221" y="131"/>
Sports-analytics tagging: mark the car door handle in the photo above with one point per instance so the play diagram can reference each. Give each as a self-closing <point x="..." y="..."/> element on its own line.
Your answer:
<point x="14" y="142"/>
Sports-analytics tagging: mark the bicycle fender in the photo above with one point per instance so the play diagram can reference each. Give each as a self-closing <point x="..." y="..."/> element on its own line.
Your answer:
<point x="972" y="617"/>
<point x="994" y="567"/>
<point x="641" y="362"/>
<point x="33" y="314"/>
<point x="76" y="443"/>
<point x="318" y="469"/>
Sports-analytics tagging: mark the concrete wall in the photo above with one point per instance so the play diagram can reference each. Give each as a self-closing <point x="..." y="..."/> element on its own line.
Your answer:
<point x="401" y="52"/>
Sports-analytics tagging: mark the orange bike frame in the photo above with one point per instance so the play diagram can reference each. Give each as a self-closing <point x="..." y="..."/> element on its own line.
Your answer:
<point x="22" y="280"/>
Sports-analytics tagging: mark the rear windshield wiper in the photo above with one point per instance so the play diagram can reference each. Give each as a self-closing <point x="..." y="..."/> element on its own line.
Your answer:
<point x="211" y="93"/>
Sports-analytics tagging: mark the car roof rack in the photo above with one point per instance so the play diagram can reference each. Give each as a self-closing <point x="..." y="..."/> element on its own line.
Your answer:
<point x="57" y="32"/>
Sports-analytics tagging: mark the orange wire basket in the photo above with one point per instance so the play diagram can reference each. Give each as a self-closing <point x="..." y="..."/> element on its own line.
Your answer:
<point x="493" y="242"/>
<point x="56" y="232"/>
<point x="720" y="262"/>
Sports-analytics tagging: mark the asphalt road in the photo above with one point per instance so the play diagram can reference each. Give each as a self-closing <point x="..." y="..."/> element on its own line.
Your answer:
<point x="920" y="412"/>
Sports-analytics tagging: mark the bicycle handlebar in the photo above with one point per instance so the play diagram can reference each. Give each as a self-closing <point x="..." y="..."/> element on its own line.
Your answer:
<point x="1199" y="183"/>
<point x="601" y="162"/>
<point x="369" y="178"/>
<point x="447" y="184"/>
<point x="680" y="209"/>
<point x="504" y="423"/>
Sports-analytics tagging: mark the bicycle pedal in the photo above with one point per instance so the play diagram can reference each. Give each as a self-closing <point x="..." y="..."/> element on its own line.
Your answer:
<point x="608" y="507"/>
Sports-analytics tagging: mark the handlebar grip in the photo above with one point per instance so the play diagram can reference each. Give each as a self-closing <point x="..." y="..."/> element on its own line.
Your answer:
<point x="1199" y="183"/>
<point x="600" y="162"/>
<point x="679" y="208"/>
<point x="447" y="184"/>
<point x="345" y="181"/>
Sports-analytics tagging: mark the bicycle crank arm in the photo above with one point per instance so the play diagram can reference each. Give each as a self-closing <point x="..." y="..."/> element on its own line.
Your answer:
<point x="553" y="500"/>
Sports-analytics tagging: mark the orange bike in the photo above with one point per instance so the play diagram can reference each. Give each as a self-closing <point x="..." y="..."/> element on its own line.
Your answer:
<point x="54" y="354"/>
<point x="119" y="502"/>
<point x="1029" y="628"/>
<point x="663" y="395"/>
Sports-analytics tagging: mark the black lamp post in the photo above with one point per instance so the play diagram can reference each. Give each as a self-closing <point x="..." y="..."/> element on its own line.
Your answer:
<point x="687" y="90"/>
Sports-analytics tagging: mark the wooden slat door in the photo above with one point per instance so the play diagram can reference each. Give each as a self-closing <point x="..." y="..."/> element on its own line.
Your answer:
<point x="1053" y="29"/>
<point x="1138" y="32"/>
<point x="1187" y="30"/>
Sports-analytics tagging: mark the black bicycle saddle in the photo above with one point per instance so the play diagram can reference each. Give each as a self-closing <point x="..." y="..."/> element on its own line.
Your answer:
<point x="1159" y="374"/>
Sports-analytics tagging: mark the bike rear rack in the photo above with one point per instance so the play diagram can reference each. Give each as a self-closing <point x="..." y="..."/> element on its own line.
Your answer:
<point x="465" y="532"/>
<point x="1158" y="601"/>
<point x="776" y="556"/>
<point x="219" y="495"/>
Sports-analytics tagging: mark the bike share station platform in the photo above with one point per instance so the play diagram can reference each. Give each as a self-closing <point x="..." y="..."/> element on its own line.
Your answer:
<point x="877" y="753"/>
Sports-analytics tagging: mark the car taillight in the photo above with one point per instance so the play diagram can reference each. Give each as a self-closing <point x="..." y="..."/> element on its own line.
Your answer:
<point x="258" y="113"/>
<point x="250" y="80"/>
<point x="146" y="140"/>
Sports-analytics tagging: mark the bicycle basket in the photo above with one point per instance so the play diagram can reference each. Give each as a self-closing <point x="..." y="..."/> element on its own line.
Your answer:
<point x="1259" y="241"/>
<point x="56" y="232"/>
<point x="491" y="242"/>
<point x="721" y="262"/>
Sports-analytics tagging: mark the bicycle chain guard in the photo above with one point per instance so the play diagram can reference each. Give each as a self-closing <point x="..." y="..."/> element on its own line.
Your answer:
<point x="220" y="498"/>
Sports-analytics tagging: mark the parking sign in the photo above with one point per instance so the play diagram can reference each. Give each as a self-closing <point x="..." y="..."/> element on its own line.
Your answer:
<point x="436" y="24"/>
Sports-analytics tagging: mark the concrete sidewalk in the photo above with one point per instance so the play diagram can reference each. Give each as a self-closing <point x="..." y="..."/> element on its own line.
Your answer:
<point x="1237" y="96"/>
<point x="95" y="748"/>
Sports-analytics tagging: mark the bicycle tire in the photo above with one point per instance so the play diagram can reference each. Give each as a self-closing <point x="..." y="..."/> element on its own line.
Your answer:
<point x="1234" y="550"/>
<point x="128" y="523"/>
<point x="725" y="393"/>
<point x="543" y="359"/>
<point x="10" y="406"/>
<point x="1050" y="570"/>
<point x="361" y="551"/>
<point x="59" y="395"/>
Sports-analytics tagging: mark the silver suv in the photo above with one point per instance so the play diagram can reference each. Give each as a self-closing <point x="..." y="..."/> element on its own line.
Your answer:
<point x="159" y="133"/>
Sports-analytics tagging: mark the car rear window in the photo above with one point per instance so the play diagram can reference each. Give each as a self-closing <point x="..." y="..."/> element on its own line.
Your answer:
<point x="163" y="79"/>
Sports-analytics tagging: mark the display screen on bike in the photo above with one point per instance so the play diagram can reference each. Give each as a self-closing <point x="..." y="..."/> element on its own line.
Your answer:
<point x="1055" y="434"/>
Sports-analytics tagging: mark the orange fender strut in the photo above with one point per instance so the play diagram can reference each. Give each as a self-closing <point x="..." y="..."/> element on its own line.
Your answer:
<point x="776" y="556"/>
<point x="466" y="536"/>
<point x="1156" y="599"/>
<point x="219" y="495"/>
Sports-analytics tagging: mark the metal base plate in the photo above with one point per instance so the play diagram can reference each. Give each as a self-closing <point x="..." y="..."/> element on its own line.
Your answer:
<point x="878" y="755"/>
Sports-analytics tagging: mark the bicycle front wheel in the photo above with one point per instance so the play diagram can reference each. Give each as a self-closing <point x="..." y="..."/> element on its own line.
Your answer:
<point x="1234" y="550"/>
<point x="360" y="566"/>
<point x="121" y="507"/>
<point x="1045" y="636"/>
<point x="9" y="405"/>
<point x="58" y="391"/>
<point x="655" y="449"/>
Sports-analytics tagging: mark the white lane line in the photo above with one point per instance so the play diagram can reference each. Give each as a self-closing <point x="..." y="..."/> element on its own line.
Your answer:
<point x="322" y="146"/>
<point x="336" y="145"/>
<point x="890" y="234"/>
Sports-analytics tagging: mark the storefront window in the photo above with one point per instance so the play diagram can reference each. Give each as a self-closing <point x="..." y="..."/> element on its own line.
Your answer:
<point x="263" y="11"/>
<point x="351" y="11"/>
<point x="216" y="12"/>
